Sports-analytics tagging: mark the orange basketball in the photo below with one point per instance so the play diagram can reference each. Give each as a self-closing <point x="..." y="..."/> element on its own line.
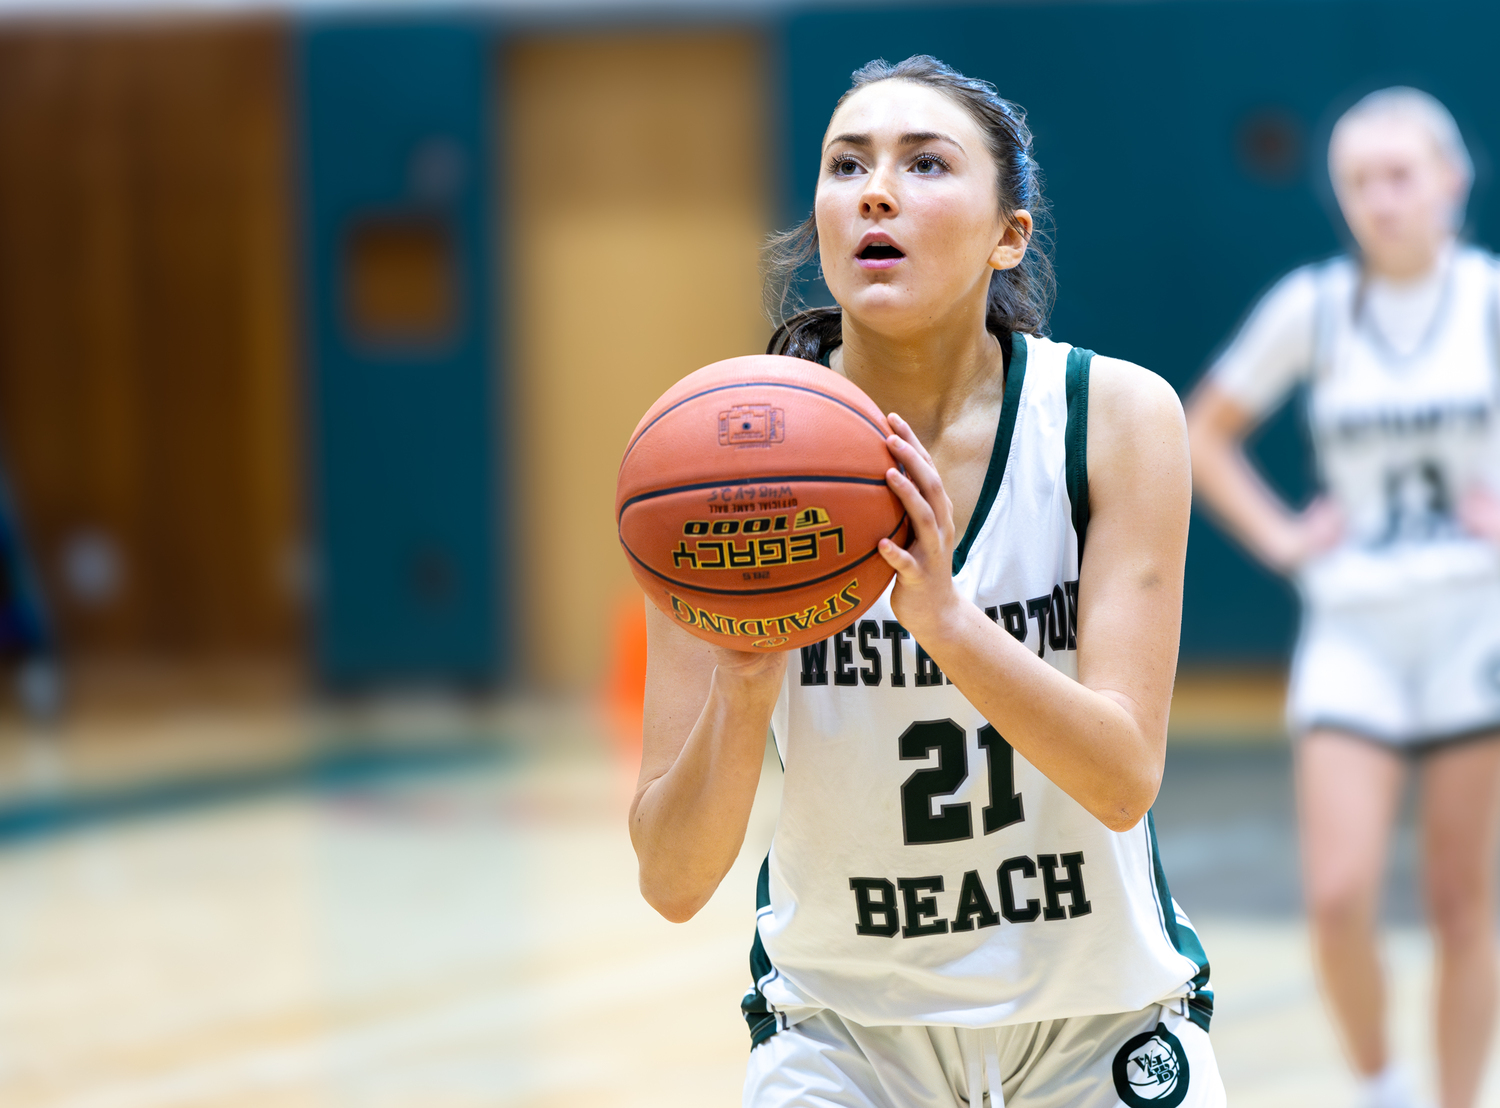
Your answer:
<point x="752" y="499"/>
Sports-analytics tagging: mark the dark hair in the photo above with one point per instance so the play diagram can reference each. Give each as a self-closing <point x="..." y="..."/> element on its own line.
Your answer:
<point x="1019" y="298"/>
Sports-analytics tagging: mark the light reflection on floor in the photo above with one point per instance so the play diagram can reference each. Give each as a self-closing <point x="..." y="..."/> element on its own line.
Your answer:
<point x="476" y="938"/>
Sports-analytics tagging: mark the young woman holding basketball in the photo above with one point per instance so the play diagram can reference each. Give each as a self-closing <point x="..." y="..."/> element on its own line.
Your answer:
<point x="963" y="903"/>
<point x="1399" y="657"/>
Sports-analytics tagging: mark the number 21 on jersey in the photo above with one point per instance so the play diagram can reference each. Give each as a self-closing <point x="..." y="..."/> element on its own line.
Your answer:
<point x="954" y="822"/>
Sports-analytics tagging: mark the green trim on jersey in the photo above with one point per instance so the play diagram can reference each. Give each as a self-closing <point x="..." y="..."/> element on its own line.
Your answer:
<point x="1076" y="441"/>
<point x="1010" y="407"/>
<point x="1184" y="939"/>
<point x="762" y="1021"/>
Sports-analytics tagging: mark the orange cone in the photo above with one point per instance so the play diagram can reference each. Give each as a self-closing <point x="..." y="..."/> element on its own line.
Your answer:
<point x="623" y="693"/>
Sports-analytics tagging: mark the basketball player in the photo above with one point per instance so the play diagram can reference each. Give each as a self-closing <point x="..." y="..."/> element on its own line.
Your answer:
<point x="1399" y="658"/>
<point x="963" y="903"/>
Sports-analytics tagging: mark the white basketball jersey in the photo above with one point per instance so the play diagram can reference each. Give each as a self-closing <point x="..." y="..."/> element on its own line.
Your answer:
<point x="1401" y="437"/>
<point x="923" y="872"/>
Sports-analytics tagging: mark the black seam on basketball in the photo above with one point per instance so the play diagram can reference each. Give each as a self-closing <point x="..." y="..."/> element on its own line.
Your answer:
<point x="829" y="478"/>
<point x="763" y="592"/>
<point x="748" y="385"/>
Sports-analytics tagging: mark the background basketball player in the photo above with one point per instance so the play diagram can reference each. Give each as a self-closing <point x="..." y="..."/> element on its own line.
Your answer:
<point x="1399" y="657"/>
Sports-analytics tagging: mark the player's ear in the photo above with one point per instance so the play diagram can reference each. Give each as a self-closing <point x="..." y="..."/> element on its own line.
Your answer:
<point x="1011" y="248"/>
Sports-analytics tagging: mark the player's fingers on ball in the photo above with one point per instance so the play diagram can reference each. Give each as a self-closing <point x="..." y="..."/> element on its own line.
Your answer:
<point x="919" y="467"/>
<point x="929" y="482"/>
<point x="903" y="441"/>
<point x="901" y="449"/>
<point x="950" y="529"/>
<point x="918" y="510"/>
<point x="903" y="429"/>
<point x="909" y="451"/>
<point x="942" y="508"/>
<point x="898" y="559"/>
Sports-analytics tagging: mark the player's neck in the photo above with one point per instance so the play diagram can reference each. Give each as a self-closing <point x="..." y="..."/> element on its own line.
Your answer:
<point x="1411" y="267"/>
<point x="928" y="377"/>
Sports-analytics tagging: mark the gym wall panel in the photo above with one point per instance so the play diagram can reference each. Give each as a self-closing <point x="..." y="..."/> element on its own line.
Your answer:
<point x="636" y="185"/>
<point x="1181" y="147"/>
<point x="395" y="171"/>
<point x="148" y="408"/>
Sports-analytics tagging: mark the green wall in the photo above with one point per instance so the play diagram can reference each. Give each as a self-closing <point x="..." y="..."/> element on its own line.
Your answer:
<point x="1167" y="227"/>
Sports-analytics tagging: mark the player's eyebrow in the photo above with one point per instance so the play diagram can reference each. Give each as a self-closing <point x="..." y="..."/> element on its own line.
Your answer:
<point x="916" y="138"/>
<point x="911" y="138"/>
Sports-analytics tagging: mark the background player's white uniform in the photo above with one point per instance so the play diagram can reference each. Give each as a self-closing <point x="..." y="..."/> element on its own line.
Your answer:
<point x="1401" y="625"/>
<point x="937" y="919"/>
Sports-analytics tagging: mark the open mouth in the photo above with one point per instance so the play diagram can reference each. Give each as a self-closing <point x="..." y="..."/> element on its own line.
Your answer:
<point x="879" y="251"/>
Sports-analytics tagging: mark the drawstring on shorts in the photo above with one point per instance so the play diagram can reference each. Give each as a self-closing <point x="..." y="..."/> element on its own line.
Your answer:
<point x="981" y="1054"/>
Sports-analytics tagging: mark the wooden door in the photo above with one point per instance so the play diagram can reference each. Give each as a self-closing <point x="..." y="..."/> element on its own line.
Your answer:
<point x="147" y="401"/>
<point x="636" y="178"/>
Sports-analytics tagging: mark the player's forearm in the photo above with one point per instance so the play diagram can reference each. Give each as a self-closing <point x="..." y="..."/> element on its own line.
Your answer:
<point x="687" y="825"/>
<point x="1086" y="742"/>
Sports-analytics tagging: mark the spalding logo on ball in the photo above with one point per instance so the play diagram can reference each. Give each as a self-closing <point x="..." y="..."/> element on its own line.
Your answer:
<point x="752" y="500"/>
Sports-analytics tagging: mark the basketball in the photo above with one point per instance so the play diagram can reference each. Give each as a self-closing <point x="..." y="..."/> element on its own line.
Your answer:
<point x="752" y="500"/>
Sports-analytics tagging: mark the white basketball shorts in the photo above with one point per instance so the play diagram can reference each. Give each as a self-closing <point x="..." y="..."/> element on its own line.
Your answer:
<point x="1155" y="1058"/>
<point x="1410" y="672"/>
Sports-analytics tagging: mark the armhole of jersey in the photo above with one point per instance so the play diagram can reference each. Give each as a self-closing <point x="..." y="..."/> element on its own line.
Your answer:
<point x="1076" y="441"/>
<point x="763" y="1022"/>
<point x="1323" y="321"/>
<point x="1010" y="407"/>
<point x="1181" y="934"/>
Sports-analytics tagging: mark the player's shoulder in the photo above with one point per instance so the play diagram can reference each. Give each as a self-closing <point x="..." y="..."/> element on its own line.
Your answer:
<point x="1137" y="438"/>
<point x="1478" y="261"/>
<point x="1117" y="390"/>
<point x="1126" y="399"/>
<point x="1301" y="288"/>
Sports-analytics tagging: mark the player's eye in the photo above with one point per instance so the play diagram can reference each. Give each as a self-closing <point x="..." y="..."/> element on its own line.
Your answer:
<point x="928" y="164"/>
<point x="841" y="165"/>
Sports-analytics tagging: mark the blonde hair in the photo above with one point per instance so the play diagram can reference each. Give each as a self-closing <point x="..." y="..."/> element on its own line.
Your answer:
<point x="1426" y="111"/>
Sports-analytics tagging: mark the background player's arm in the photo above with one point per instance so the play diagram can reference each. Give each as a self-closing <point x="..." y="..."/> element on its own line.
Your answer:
<point x="1101" y="739"/>
<point x="707" y="711"/>
<point x="1234" y="491"/>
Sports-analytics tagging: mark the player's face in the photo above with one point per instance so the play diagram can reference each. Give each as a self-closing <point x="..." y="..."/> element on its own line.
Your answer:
<point x="1397" y="192"/>
<point x="909" y="221"/>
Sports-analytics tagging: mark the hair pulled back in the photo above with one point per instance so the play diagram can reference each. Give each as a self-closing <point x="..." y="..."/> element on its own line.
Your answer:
<point x="1019" y="299"/>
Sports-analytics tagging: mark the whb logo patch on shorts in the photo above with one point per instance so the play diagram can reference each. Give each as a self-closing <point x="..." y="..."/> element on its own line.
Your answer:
<point x="1151" y="1070"/>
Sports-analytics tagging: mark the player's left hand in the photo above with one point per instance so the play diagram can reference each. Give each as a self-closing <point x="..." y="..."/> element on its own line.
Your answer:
<point x="924" y="592"/>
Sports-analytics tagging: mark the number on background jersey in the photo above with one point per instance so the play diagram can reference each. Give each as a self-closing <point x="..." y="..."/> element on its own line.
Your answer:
<point x="954" y="822"/>
<point x="1418" y="504"/>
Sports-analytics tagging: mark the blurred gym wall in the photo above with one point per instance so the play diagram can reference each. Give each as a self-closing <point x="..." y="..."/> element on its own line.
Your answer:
<point x="1182" y="145"/>
<point x="394" y="175"/>
<point x="177" y="285"/>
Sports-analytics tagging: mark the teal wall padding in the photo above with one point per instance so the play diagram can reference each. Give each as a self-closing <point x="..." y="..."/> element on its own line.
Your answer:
<point x="1165" y="237"/>
<point x="395" y="120"/>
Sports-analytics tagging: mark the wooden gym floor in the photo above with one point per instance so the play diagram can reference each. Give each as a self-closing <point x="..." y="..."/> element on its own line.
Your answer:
<point x="465" y="931"/>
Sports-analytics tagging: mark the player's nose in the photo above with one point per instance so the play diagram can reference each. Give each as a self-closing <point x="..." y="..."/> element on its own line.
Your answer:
<point x="878" y="196"/>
